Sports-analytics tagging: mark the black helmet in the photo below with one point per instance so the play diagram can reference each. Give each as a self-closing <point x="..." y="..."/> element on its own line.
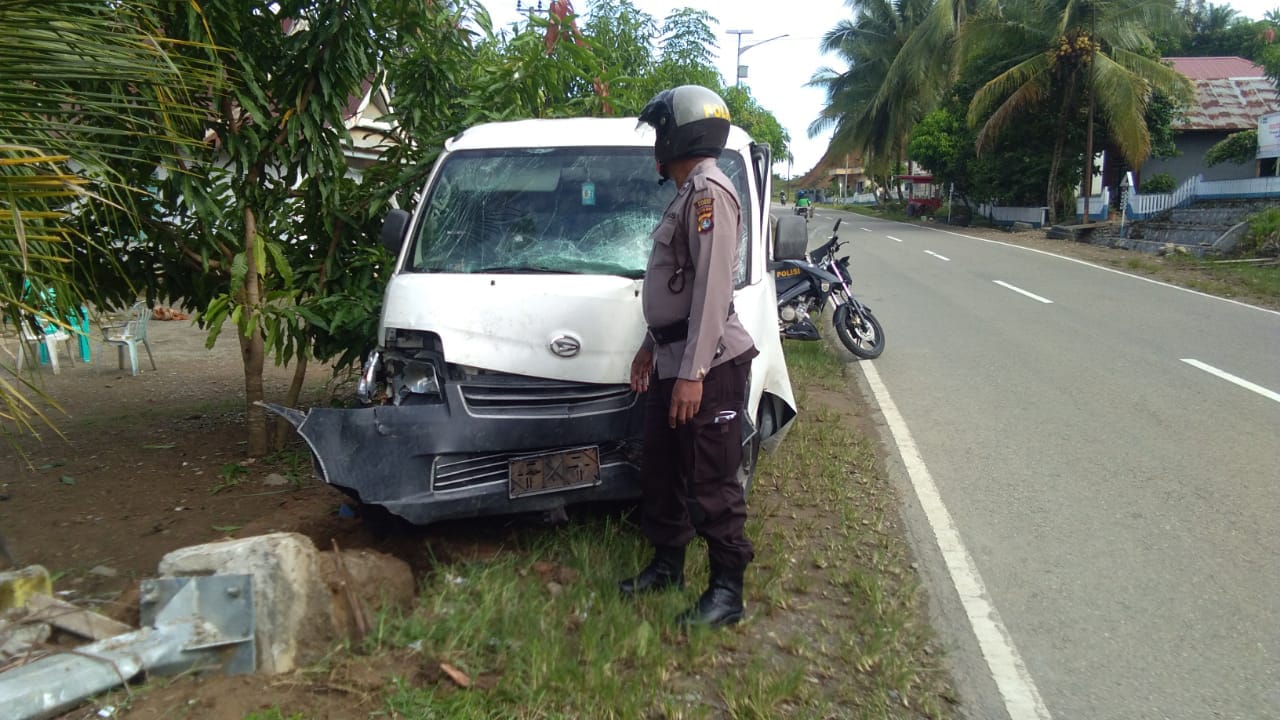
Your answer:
<point x="691" y="121"/>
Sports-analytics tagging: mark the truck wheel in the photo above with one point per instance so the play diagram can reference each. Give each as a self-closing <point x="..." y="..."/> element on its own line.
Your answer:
<point x="751" y="451"/>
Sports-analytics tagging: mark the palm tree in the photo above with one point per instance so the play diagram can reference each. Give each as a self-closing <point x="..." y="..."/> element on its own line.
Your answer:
<point x="1067" y="52"/>
<point x="870" y="117"/>
<point x="86" y="90"/>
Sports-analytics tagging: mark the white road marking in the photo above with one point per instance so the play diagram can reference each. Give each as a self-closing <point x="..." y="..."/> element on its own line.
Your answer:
<point x="1100" y="267"/>
<point x="1021" y="698"/>
<point x="1233" y="379"/>
<point x="1019" y="290"/>
<point x="938" y="256"/>
<point x="893" y="238"/>
<point x="867" y="229"/>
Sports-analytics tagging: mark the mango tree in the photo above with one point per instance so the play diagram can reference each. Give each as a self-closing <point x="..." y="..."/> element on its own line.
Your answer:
<point x="254" y="220"/>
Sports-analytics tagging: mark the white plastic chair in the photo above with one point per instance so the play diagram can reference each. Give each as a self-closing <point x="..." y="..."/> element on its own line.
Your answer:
<point x="44" y="332"/>
<point x="126" y="336"/>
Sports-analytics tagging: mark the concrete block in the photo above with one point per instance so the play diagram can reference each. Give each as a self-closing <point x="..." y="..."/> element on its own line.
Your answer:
<point x="293" y="612"/>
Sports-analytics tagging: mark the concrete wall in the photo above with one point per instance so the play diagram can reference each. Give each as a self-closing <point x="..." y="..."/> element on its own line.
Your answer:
<point x="1191" y="161"/>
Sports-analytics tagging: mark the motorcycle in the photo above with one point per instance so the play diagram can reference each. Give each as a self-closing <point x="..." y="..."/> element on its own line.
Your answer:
<point x="807" y="287"/>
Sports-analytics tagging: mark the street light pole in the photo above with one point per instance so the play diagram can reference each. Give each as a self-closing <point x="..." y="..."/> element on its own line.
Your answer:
<point x="737" y="65"/>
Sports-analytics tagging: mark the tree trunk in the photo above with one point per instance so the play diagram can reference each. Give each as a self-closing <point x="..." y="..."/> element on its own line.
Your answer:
<point x="295" y="389"/>
<point x="1087" y="180"/>
<point x="1058" y="144"/>
<point x="252" y="345"/>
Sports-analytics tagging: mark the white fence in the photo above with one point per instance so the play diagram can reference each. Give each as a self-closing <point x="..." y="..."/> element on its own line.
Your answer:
<point x="868" y="198"/>
<point x="1035" y="216"/>
<point x="1141" y="207"/>
<point x="1099" y="205"/>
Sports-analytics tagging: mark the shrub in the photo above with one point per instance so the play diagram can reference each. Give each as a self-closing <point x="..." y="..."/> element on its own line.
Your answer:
<point x="1263" y="238"/>
<point x="1159" y="183"/>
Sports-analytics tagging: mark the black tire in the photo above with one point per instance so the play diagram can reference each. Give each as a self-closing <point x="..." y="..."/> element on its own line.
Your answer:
<point x="859" y="332"/>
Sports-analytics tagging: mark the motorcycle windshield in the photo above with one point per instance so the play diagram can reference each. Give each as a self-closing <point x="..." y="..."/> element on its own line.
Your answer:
<point x="571" y="210"/>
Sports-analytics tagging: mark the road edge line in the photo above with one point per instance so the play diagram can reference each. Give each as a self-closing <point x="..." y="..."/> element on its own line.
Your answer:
<point x="1017" y="689"/>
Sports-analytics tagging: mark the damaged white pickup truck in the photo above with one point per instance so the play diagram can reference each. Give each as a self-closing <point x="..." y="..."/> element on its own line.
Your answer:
<point x="500" y="381"/>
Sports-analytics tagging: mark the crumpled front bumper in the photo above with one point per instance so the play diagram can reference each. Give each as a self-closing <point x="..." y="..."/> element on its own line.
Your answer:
<point x="435" y="461"/>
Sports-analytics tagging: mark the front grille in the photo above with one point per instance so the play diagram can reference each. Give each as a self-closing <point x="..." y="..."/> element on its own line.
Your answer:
<point x="462" y="471"/>
<point x="515" y="392"/>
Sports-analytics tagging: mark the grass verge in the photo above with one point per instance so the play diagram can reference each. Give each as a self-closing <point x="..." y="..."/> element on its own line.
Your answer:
<point x="835" y="626"/>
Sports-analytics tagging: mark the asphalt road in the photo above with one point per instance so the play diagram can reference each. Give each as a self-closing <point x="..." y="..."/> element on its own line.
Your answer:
<point x="1109" y="462"/>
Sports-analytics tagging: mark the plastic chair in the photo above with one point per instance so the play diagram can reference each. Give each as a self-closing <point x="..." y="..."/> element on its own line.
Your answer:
<point x="126" y="336"/>
<point x="36" y="332"/>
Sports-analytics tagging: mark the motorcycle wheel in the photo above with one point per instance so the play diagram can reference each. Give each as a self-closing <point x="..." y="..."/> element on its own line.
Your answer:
<point x="860" y="332"/>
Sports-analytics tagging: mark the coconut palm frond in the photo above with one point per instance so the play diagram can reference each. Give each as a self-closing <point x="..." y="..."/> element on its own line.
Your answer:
<point x="1027" y="95"/>
<point x="1029" y="73"/>
<point x="1122" y="96"/>
<point x="1162" y="77"/>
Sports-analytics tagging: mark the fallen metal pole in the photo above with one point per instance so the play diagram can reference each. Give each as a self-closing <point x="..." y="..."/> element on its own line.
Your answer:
<point x="200" y="623"/>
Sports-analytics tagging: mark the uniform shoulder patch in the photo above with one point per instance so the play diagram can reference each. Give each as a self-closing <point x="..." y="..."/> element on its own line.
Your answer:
<point x="704" y="209"/>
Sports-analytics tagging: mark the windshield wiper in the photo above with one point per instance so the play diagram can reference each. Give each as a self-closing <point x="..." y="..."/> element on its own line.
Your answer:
<point x="524" y="269"/>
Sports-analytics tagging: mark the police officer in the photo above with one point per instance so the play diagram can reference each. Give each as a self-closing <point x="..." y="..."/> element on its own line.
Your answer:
<point x="693" y="362"/>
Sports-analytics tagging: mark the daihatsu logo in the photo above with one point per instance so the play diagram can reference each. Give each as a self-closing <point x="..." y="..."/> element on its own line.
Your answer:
<point x="565" y="346"/>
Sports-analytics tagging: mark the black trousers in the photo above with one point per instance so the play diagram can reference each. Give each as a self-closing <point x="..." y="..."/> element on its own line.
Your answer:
<point x="689" y="475"/>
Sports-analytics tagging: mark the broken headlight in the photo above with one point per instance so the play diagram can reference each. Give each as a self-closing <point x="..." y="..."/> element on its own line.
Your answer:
<point x="413" y="377"/>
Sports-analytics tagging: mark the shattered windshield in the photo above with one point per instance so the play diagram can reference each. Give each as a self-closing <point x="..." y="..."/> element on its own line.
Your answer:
<point x="543" y="210"/>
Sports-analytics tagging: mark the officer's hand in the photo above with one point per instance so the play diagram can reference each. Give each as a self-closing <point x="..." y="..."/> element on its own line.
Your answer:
<point x="641" y="370"/>
<point x="686" y="398"/>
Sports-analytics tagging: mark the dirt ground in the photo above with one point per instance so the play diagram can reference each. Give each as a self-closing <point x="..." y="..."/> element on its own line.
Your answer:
<point x="154" y="462"/>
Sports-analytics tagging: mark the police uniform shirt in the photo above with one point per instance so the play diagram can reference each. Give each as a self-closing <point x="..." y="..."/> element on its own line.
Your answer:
<point x="697" y="238"/>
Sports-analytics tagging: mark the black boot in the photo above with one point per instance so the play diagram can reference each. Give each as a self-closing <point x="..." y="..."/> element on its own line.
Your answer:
<point x="721" y="604"/>
<point x="664" y="571"/>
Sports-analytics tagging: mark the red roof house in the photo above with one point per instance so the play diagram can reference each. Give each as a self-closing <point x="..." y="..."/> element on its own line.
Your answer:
<point x="1231" y="94"/>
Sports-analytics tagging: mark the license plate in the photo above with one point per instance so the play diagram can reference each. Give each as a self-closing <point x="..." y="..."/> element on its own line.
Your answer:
<point x="552" y="472"/>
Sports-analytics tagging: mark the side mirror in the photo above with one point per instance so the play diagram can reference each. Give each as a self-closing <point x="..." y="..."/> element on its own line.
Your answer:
<point x="392" y="235"/>
<point x="837" y="227"/>
<point x="791" y="241"/>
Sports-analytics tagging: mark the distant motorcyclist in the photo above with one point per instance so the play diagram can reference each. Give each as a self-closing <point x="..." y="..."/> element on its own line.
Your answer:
<point x="803" y="205"/>
<point x="783" y="196"/>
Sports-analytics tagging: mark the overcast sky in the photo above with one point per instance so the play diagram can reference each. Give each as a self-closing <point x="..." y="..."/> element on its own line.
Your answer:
<point x="778" y="70"/>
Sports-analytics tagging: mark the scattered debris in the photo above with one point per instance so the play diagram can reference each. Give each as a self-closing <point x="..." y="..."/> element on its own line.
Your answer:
<point x="275" y="479"/>
<point x="160" y="312"/>
<point x="75" y="620"/>
<point x="21" y="638"/>
<point x="458" y="677"/>
<point x="17" y="586"/>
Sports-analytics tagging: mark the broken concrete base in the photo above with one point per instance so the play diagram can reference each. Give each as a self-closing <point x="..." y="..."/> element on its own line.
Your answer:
<point x="301" y="598"/>
<point x="360" y="582"/>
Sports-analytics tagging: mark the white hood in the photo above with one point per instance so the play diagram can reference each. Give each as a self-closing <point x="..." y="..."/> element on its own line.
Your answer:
<point x="508" y="322"/>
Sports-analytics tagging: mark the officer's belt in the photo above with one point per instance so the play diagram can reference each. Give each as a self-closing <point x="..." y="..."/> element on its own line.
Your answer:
<point x="676" y="331"/>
